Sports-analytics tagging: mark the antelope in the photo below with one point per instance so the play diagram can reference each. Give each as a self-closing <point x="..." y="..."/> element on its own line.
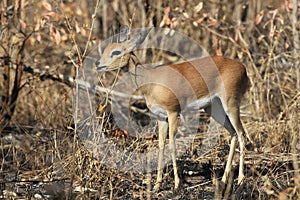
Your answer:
<point x="218" y="91"/>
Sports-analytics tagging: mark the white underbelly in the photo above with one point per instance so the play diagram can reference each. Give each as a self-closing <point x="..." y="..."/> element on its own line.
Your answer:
<point x="198" y="104"/>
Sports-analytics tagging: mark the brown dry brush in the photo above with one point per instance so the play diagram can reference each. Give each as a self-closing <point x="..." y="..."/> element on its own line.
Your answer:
<point x="41" y="155"/>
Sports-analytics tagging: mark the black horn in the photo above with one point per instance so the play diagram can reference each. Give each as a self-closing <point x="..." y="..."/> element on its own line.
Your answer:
<point x="112" y="34"/>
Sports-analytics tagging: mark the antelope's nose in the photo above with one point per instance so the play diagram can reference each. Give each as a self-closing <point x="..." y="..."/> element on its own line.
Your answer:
<point x="99" y="67"/>
<point x="97" y="63"/>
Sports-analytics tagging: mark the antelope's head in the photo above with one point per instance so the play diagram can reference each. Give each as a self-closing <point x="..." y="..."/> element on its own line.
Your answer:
<point x="117" y="53"/>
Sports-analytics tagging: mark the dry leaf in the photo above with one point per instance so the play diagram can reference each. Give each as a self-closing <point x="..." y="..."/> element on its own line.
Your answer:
<point x="38" y="37"/>
<point x="199" y="7"/>
<point x="195" y="23"/>
<point x="289" y="5"/>
<point x="259" y="17"/>
<point x="167" y="20"/>
<point x="57" y="37"/>
<point x="23" y="24"/>
<point x="167" y="10"/>
<point x="47" y="5"/>
<point x="37" y="26"/>
<point x="65" y="97"/>
<point x="174" y="24"/>
<point x="185" y="15"/>
<point x="162" y="23"/>
<point x="51" y="29"/>
<point x="260" y="38"/>
<point x="212" y="22"/>
<point x="120" y="133"/>
<point x="101" y="108"/>
<point x="51" y="14"/>
<point x="200" y="20"/>
<point x="77" y="28"/>
<point x="83" y="31"/>
<point x="286" y="45"/>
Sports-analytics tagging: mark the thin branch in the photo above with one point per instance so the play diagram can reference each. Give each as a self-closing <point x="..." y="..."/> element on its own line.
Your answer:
<point x="91" y="28"/>
<point x="69" y="81"/>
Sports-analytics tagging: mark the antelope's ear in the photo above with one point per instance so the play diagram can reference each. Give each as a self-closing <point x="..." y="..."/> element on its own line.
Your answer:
<point x="140" y="37"/>
<point x="123" y="34"/>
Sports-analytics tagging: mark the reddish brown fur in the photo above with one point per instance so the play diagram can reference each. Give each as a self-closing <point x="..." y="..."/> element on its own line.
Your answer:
<point x="201" y="74"/>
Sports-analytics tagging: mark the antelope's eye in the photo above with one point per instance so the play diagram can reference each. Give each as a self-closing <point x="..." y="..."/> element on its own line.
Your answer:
<point x="115" y="53"/>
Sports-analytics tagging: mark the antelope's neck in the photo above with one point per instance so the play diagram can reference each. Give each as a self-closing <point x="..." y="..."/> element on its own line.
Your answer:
<point x="133" y="63"/>
<point x="135" y="67"/>
<point x="139" y="74"/>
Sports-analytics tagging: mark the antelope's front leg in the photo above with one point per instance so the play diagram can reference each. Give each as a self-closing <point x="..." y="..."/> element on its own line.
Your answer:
<point x="163" y="128"/>
<point x="173" y="125"/>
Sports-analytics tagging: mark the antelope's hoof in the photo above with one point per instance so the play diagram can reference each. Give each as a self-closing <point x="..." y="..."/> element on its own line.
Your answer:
<point x="177" y="185"/>
<point x="241" y="179"/>
<point x="156" y="187"/>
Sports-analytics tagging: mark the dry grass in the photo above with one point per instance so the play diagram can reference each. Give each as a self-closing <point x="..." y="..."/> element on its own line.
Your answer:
<point x="42" y="157"/>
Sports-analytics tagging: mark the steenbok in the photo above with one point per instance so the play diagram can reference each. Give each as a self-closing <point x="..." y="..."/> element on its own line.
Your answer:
<point x="217" y="89"/>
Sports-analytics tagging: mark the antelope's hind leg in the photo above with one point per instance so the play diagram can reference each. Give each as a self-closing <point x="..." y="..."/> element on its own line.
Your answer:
<point x="234" y="117"/>
<point x="233" y="112"/>
<point x="217" y="112"/>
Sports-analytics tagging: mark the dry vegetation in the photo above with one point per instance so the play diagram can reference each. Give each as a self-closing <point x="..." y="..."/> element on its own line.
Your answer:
<point x="42" y="157"/>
